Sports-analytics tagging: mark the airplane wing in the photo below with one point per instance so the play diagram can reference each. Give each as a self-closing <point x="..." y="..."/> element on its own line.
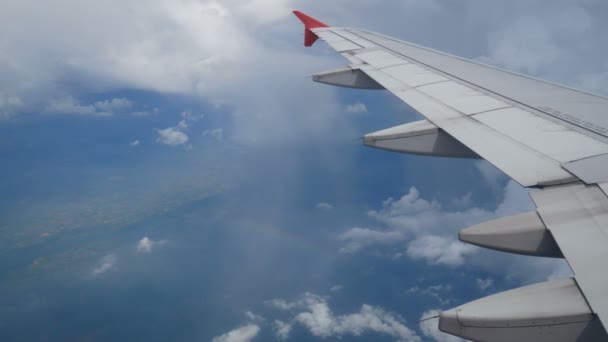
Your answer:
<point x="549" y="138"/>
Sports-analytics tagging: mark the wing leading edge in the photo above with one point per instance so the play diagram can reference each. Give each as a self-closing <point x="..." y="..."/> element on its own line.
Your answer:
<point x="547" y="137"/>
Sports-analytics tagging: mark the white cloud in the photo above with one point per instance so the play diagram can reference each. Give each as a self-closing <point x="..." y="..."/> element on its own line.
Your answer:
<point x="439" y="292"/>
<point x="281" y="304"/>
<point x="398" y="212"/>
<point x="107" y="263"/>
<point x="429" y="233"/>
<point x="316" y="315"/>
<point x="305" y="301"/>
<point x="534" y="48"/>
<point x="515" y="200"/>
<point x="321" y="322"/>
<point x="325" y="206"/>
<point x="145" y="245"/>
<point x="172" y="136"/>
<point x="265" y="11"/>
<point x="134" y="143"/>
<point x="243" y="334"/>
<point x="542" y="47"/>
<point x="182" y="125"/>
<point x="439" y="250"/>
<point x="217" y="134"/>
<point x="176" y="136"/>
<point x="430" y="328"/>
<point x="431" y="230"/>
<point x="594" y="82"/>
<point x="113" y="105"/>
<point x="214" y="51"/>
<point x="484" y="284"/>
<point x="356" y="108"/>
<point x="189" y="115"/>
<point x="105" y="108"/>
<point x="282" y="330"/>
<point x="69" y="105"/>
<point x="358" y="238"/>
<point x="143" y="113"/>
<point x="491" y="174"/>
<point x="9" y="106"/>
<point x="463" y="202"/>
<point x="253" y="317"/>
<point x="336" y="288"/>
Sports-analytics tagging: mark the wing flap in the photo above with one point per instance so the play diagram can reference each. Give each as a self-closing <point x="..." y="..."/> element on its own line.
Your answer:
<point x="577" y="216"/>
<point x="464" y="99"/>
<point x="591" y="170"/>
<point x="413" y="75"/>
<point x="541" y="134"/>
<point x="354" y="38"/>
<point x="344" y="45"/>
<point x="329" y="36"/>
<point x="380" y="59"/>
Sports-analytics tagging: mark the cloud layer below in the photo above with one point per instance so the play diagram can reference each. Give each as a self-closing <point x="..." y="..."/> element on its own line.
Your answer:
<point x="313" y="312"/>
<point x="425" y="230"/>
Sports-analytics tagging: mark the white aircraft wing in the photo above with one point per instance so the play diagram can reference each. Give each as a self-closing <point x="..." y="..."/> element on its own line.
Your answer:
<point x="547" y="137"/>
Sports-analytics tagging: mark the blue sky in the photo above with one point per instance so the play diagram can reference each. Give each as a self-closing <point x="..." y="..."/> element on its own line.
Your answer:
<point x="170" y="172"/>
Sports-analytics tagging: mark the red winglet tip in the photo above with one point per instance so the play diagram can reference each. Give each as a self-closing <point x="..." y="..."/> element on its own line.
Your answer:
<point x="309" y="21"/>
<point x="309" y="24"/>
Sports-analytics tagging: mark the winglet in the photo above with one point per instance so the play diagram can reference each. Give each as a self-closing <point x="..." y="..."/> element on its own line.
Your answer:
<point x="309" y="24"/>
